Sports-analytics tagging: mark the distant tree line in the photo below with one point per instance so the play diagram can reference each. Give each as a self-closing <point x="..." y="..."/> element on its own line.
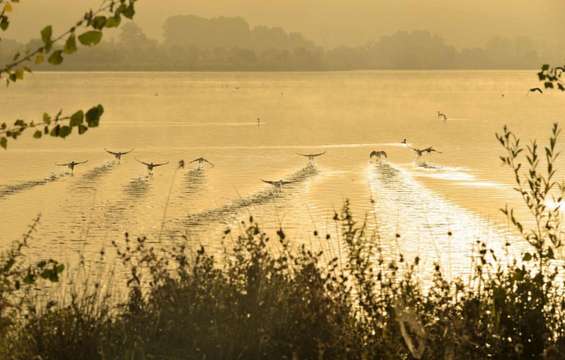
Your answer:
<point x="195" y="43"/>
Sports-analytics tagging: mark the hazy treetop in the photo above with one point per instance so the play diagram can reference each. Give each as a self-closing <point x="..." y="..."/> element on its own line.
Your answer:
<point x="334" y="22"/>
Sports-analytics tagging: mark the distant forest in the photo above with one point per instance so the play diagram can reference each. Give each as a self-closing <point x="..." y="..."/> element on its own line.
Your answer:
<point x="193" y="43"/>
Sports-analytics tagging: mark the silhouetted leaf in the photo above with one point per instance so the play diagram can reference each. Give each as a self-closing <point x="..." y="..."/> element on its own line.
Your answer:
<point x="99" y="22"/>
<point x="39" y="59"/>
<point x="93" y="116"/>
<point x="77" y="118"/>
<point x="90" y="38"/>
<point x="46" y="118"/>
<point x="56" y="57"/>
<point x="114" y="21"/>
<point x="4" y="23"/>
<point x="55" y="131"/>
<point x="129" y="11"/>
<point x="46" y="34"/>
<point x="71" y="44"/>
<point x="65" y="131"/>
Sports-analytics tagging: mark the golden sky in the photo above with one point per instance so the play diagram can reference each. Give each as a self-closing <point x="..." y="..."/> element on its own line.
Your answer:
<point x="334" y="22"/>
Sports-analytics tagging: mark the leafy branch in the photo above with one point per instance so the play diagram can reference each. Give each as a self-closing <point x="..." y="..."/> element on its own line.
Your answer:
<point x="551" y="77"/>
<point x="90" y="26"/>
<point x="541" y="192"/>
<point x="7" y="8"/>
<point x="55" y="126"/>
<point x="93" y="22"/>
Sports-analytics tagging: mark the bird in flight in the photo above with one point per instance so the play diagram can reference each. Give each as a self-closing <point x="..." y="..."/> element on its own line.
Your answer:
<point x="151" y="165"/>
<point x="404" y="141"/>
<point x="441" y="116"/>
<point x="378" y="154"/>
<point x="537" y="89"/>
<point x="311" y="157"/>
<point x="201" y="161"/>
<point x="278" y="184"/>
<point x="118" y="154"/>
<point x="71" y="165"/>
<point x="429" y="150"/>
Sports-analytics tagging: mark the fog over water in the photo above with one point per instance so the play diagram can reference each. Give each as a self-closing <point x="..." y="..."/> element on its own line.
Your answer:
<point x="336" y="22"/>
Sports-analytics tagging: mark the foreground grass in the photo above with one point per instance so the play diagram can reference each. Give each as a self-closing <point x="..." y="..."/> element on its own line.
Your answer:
<point x="261" y="303"/>
<point x="266" y="300"/>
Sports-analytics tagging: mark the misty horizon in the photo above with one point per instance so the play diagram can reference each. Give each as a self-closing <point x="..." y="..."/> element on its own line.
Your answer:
<point x="192" y="42"/>
<point x="333" y="23"/>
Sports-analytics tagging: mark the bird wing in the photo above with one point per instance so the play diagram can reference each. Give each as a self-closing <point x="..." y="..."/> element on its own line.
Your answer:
<point x="67" y="164"/>
<point x="82" y="162"/>
<point x="209" y="162"/>
<point x="196" y="160"/>
<point x="142" y="162"/>
<point x="312" y="155"/>
<point x="287" y="182"/>
<point x="536" y="89"/>
<point x="127" y="152"/>
<point x="161" y="164"/>
<point x="111" y="152"/>
<point x="269" y="182"/>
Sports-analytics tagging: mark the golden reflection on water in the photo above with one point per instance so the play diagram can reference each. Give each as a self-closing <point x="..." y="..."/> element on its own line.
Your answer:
<point x="347" y="114"/>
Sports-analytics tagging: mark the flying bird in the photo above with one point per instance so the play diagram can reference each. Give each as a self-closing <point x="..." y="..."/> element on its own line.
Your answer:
<point x="118" y="154"/>
<point x="278" y="184"/>
<point x="311" y="157"/>
<point x="429" y="149"/>
<point x="441" y="115"/>
<point x="537" y="89"/>
<point x="404" y="141"/>
<point x="72" y="165"/>
<point x="378" y="154"/>
<point x="151" y="165"/>
<point x="201" y="161"/>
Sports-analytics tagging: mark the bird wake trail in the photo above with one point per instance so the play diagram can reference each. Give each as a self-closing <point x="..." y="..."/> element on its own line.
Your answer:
<point x="230" y="210"/>
<point x="439" y="225"/>
<point x="9" y="190"/>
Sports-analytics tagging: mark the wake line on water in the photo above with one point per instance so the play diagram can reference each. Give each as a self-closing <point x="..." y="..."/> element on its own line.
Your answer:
<point x="269" y="147"/>
<point x="193" y="181"/>
<point x="137" y="187"/>
<point x="461" y="175"/>
<point x="183" y="124"/>
<point x="259" y="198"/>
<point x="134" y="191"/>
<point x="90" y="178"/>
<point x="229" y="147"/>
<point x="424" y="219"/>
<point x="97" y="172"/>
<point x="8" y="190"/>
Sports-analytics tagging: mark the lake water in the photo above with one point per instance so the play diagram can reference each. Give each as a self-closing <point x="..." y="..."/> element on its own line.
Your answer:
<point x="173" y="116"/>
